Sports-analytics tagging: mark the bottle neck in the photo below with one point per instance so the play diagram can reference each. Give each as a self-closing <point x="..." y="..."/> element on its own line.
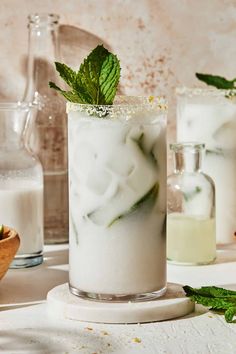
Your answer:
<point x="14" y="121"/>
<point x="43" y="51"/>
<point x="186" y="161"/>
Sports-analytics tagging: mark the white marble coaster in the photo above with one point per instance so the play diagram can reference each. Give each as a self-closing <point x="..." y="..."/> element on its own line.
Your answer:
<point x="173" y="304"/>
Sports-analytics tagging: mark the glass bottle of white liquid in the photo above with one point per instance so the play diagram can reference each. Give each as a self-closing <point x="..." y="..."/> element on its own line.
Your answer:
<point x="21" y="184"/>
<point x="191" y="209"/>
<point x="49" y="138"/>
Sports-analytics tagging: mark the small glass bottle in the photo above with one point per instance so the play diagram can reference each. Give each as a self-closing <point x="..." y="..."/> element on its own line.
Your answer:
<point x="21" y="184"/>
<point x="191" y="238"/>
<point x="49" y="138"/>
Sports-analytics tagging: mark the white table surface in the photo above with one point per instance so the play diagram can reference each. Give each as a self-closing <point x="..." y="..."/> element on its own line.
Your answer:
<point x="27" y="328"/>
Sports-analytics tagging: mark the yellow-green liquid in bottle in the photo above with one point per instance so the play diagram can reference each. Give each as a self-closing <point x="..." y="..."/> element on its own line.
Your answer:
<point x="190" y="239"/>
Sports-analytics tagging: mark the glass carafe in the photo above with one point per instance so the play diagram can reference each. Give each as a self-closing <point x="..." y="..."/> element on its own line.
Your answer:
<point x="49" y="138"/>
<point x="21" y="184"/>
<point x="191" y="208"/>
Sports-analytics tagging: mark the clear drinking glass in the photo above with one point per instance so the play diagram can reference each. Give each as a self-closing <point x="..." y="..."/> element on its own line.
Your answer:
<point x="117" y="199"/>
<point x="21" y="184"/>
<point x="209" y="115"/>
<point x="191" y="238"/>
<point x="49" y="137"/>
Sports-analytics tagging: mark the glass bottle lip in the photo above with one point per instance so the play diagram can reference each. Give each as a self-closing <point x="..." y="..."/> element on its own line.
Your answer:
<point x="42" y="19"/>
<point x="191" y="147"/>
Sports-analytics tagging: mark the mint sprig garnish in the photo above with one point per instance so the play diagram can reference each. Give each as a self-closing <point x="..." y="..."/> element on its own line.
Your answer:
<point x="96" y="80"/>
<point x="217" y="81"/>
<point x="218" y="299"/>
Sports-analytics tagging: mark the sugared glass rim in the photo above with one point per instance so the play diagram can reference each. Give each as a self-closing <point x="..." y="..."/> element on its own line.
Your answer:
<point x="122" y="105"/>
<point x="21" y="106"/>
<point x="202" y="91"/>
<point x="191" y="146"/>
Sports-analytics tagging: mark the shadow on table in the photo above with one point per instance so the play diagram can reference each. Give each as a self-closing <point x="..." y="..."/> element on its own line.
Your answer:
<point x="22" y="287"/>
<point x="225" y="255"/>
<point x="55" y="258"/>
<point x="55" y="341"/>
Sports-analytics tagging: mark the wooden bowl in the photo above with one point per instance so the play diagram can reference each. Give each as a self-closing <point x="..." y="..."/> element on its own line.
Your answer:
<point x="9" y="244"/>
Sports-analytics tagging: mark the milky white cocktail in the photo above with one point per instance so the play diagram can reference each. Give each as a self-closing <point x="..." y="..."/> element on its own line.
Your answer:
<point x="21" y="207"/>
<point x="21" y="183"/>
<point x="209" y="116"/>
<point x="117" y="196"/>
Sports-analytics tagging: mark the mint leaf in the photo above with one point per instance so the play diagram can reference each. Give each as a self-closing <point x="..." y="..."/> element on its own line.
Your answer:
<point x="230" y="313"/>
<point x="214" y="297"/>
<point x="213" y="291"/>
<point x="100" y="74"/>
<point x="190" y="195"/>
<point x="95" y="82"/>
<point x="217" y="81"/>
<point x="66" y="73"/>
<point x="69" y="95"/>
<point x="149" y="197"/>
<point x="212" y="302"/>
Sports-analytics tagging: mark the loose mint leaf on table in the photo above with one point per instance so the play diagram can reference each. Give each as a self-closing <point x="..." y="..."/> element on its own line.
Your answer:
<point x="217" y="81"/>
<point x="96" y="81"/>
<point x="230" y="313"/>
<point x="215" y="298"/>
<point x="213" y="291"/>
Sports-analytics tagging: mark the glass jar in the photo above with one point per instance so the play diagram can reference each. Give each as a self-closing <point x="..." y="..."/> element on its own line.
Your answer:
<point x="49" y="138"/>
<point x="21" y="184"/>
<point x="209" y="115"/>
<point x="191" y="208"/>
<point x="117" y="198"/>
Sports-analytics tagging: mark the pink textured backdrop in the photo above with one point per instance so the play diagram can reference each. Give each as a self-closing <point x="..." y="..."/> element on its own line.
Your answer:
<point x="161" y="43"/>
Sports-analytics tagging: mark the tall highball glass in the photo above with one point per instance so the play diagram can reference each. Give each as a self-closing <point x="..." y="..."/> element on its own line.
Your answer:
<point x="209" y="115"/>
<point x="117" y="199"/>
